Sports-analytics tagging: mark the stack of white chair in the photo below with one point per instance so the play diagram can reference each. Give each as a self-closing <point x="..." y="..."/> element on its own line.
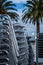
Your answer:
<point x="22" y="44"/>
<point x="8" y="42"/>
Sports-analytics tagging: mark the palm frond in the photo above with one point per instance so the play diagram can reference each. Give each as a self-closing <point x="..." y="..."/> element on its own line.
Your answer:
<point x="12" y="4"/>
<point x="6" y="3"/>
<point x="9" y="4"/>
<point x="34" y="9"/>
<point x="23" y="10"/>
<point x="10" y="8"/>
<point x="30" y="2"/>
<point x="13" y="15"/>
<point x="26" y="17"/>
<point x="6" y="7"/>
<point x="28" y="5"/>
<point x="3" y="1"/>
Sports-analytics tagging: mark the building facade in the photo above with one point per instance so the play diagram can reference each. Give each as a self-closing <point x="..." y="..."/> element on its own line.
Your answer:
<point x="40" y="49"/>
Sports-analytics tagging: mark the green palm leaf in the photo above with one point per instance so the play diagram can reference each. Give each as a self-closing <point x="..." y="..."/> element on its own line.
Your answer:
<point x="6" y="7"/>
<point x="33" y="12"/>
<point x="34" y="7"/>
<point x="9" y="3"/>
<point x="2" y="1"/>
<point x="14" y="15"/>
<point x="6" y="3"/>
<point x="10" y="8"/>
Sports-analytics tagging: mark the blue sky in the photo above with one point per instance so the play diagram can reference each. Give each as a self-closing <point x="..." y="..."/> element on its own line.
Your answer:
<point x="30" y="28"/>
<point x="19" y="5"/>
<point x="18" y="1"/>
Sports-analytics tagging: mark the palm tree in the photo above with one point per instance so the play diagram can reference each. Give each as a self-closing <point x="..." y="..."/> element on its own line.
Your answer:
<point x="34" y="13"/>
<point x="6" y="7"/>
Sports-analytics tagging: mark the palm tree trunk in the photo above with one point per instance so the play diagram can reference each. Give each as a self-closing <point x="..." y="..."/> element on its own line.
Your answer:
<point x="38" y="27"/>
<point x="38" y="31"/>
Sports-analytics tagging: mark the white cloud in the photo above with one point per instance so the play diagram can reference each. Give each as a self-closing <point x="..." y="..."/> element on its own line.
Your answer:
<point x="18" y="1"/>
